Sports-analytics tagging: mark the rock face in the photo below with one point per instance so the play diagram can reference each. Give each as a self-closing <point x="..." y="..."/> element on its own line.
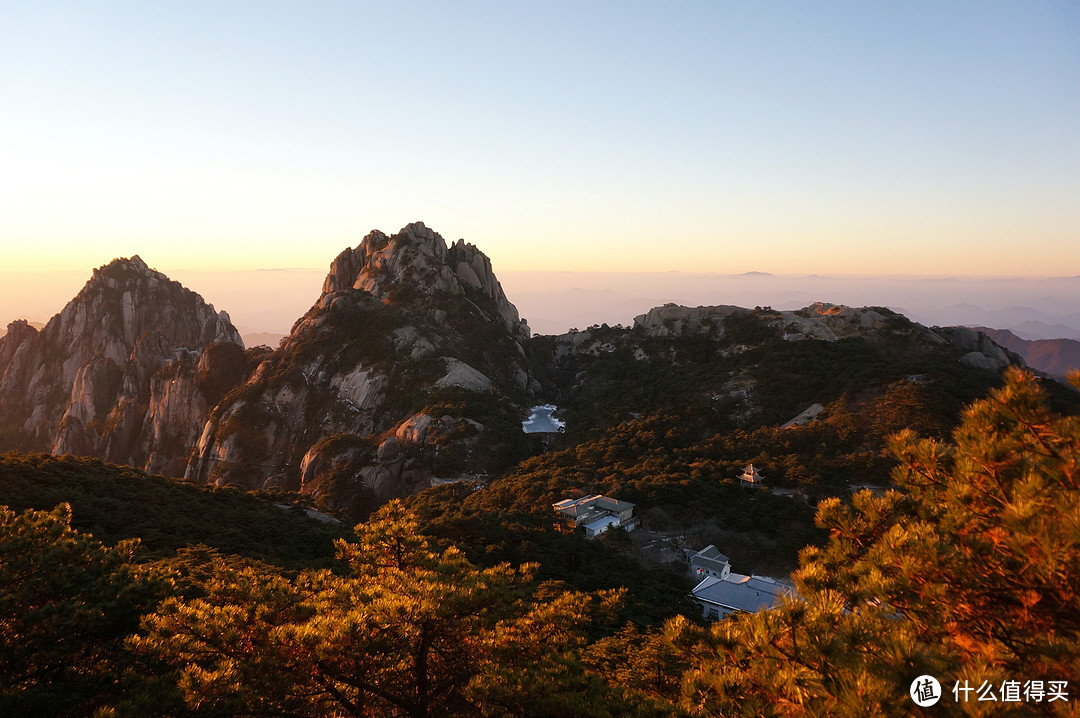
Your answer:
<point x="411" y="352"/>
<point x="982" y="351"/>
<point x="417" y="260"/>
<point x="109" y="375"/>
<point x="674" y="320"/>
<point x="830" y="322"/>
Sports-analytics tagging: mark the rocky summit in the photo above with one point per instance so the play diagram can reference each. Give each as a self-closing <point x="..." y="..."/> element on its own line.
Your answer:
<point x="417" y="261"/>
<point x="825" y="322"/>
<point x="409" y="361"/>
<point x="121" y="373"/>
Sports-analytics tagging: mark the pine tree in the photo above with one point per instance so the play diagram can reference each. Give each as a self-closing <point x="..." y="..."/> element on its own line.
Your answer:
<point x="969" y="570"/>
<point x="66" y="604"/>
<point x="412" y="631"/>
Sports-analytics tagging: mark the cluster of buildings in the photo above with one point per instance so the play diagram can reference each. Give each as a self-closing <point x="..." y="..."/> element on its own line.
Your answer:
<point x="719" y="592"/>
<point x="598" y="513"/>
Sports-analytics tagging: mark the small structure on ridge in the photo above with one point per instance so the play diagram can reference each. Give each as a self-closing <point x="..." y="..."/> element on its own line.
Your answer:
<point x="751" y="476"/>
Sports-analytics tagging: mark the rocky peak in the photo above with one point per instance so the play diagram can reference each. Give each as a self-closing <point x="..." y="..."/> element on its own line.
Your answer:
<point x="674" y="320"/>
<point x="417" y="263"/>
<point x="982" y="351"/>
<point x="18" y="332"/>
<point x="85" y="383"/>
<point x="123" y="266"/>
<point x="125" y="298"/>
<point x="406" y="323"/>
<point x="820" y="321"/>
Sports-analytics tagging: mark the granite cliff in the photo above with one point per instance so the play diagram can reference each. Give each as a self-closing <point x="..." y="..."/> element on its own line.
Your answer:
<point x="411" y="354"/>
<point x="120" y="373"/>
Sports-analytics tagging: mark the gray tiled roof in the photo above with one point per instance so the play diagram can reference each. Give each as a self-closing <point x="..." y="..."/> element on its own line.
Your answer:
<point x="711" y="553"/>
<point x="601" y="524"/>
<point x="742" y="593"/>
<point x="612" y="504"/>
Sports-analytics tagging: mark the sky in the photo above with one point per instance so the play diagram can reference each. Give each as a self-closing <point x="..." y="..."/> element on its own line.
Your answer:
<point x="840" y="138"/>
<point x="844" y="137"/>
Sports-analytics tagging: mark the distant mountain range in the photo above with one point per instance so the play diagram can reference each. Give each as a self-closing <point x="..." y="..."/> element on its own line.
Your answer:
<point x="1024" y="322"/>
<point x="1056" y="357"/>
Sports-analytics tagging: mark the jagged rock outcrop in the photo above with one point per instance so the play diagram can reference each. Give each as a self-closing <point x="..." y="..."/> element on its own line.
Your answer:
<point x="982" y="351"/>
<point x="104" y="377"/>
<point x="672" y="320"/>
<point x="404" y="323"/>
<point x="18" y="332"/>
<point x="830" y="322"/>
<point x="417" y="260"/>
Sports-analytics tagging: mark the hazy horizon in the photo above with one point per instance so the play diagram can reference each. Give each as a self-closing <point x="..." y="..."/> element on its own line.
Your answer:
<point x="270" y="300"/>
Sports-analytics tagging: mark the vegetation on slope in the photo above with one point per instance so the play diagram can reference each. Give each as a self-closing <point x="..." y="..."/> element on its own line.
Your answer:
<point x="744" y="375"/>
<point x="116" y="503"/>
<point x="967" y="570"/>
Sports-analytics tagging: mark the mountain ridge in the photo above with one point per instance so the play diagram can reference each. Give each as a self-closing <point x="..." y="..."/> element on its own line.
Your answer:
<point x="411" y="366"/>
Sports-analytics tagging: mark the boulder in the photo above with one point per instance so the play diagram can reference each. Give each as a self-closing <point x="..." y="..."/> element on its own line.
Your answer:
<point x="414" y="429"/>
<point x="458" y="373"/>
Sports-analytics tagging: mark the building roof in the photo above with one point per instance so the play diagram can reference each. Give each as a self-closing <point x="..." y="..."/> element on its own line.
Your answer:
<point x="612" y="504"/>
<point x="712" y="553"/>
<point x="601" y="524"/>
<point x="570" y="508"/>
<point x="541" y="421"/>
<point x="709" y="557"/>
<point x="751" y="474"/>
<point x="587" y="504"/>
<point x="576" y="507"/>
<point x="742" y="593"/>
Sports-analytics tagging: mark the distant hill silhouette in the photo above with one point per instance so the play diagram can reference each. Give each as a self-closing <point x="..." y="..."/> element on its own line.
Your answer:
<point x="1053" y="356"/>
<point x="36" y="325"/>
<point x="270" y="339"/>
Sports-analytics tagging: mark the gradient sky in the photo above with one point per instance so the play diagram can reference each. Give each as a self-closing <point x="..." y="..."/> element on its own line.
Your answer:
<point x="834" y="137"/>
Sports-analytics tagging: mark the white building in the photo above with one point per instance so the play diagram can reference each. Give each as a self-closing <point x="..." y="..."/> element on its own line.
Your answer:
<point x="721" y="592"/>
<point x="709" y="562"/>
<point x="598" y="513"/>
